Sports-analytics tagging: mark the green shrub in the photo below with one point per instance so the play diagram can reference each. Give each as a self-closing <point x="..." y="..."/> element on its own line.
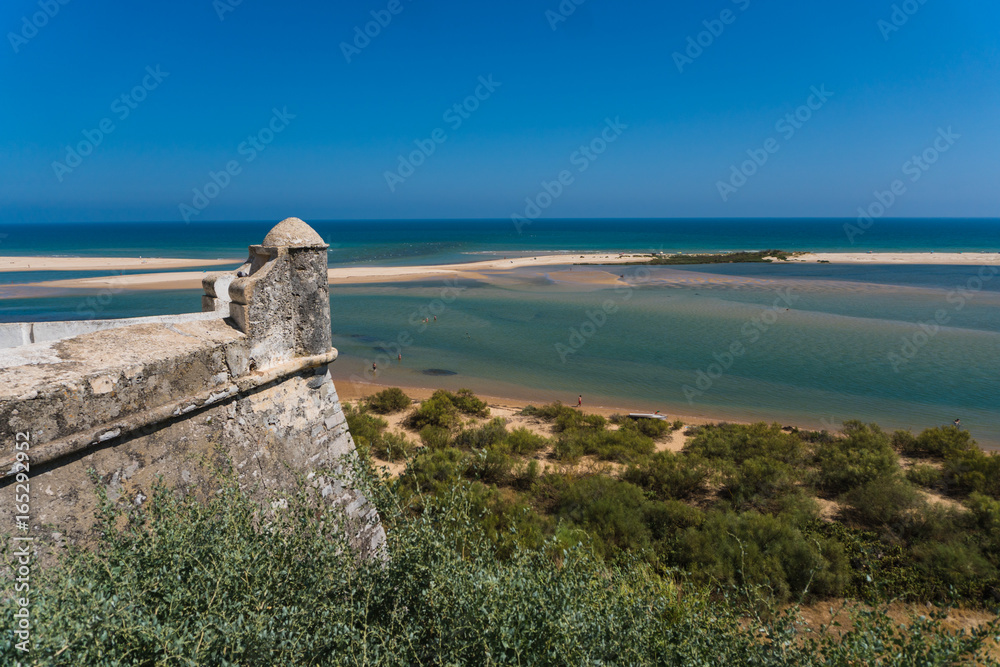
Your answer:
<point x="388" y="401"/>
<point x="941" y="442"/>
<point x="882" y="502"/>
<point x="903" y="442"/>
<point x="568" y="450"/>
<point x="972" y="470"/>
<point x="611" y="511"/>
<point x="390" y="446"/>
<point x="546" y="412"/>
<point x="571" y="420"/>
<point x="434" y="471"/>
<point x="652" y="428"/>
<point x="623" y="446"/>
<point x="525" y="474"/>
<point x="565" y="418"/>
<point x="468" y="403"/>
<point x="492" y="466"/>
<point x="365" y="428"/>
<point x="954" y="563"/>
<point x="443" y="407"/>
<point x="523" y="442"/>
<point x="756" y="482"/>
<point x="669" y="476"/>
<point x="486" y="436"/>
<point x="983" y="520"/>
<point x="756" y="552"/>
<point x="666" y="519"/>
<point x="435" y="437"/>
<point x="738" y="442"/>
<point x="924" y="475"/>
<point x="438" y="410"/>
<point x="864" y="455"/>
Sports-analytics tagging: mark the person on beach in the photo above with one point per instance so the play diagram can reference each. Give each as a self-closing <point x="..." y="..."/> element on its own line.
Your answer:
<point x="579" y="401"/>
<point x="374" y="367"/>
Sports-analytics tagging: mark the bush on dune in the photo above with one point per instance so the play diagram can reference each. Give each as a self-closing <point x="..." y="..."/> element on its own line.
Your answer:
<point x="934" y="442"/>
<point x="864" y="455"/>
<point x="392" y="447"/>
<point x="443" y="409"/>
<point x="757" y="483"/>
<point x="388" y="401"/>
<point x="738" y="442"/>
<point x="621" y="446"/>
<point x="435" y="437"/>
<point x="669" y="476"/>
<point x="468" y="403"/>
<point x="882" y="502"/>
<point x="611" y="510"/>
<point x="488" y="435"/>
<point x="523" y="442"/>
<point x="971" y="471"/>
<point x="652" y="428"/>
<point x="438" y="410"/>
<point x="750" y="551"/>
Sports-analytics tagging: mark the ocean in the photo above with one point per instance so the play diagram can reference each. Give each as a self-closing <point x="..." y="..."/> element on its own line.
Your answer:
<point x="807" y="344"/>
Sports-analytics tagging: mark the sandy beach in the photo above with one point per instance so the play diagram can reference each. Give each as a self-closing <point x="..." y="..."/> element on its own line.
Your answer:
<point x="105" y="263"/>
<point x="352" y="275"/>
<point x="339" y="275"/>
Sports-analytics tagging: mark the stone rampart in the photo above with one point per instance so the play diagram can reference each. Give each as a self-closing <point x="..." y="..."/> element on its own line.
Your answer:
<point x="175" y="399"/>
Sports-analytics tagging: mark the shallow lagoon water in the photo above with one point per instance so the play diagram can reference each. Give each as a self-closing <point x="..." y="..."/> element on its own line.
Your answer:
<point x="821" y="356"/>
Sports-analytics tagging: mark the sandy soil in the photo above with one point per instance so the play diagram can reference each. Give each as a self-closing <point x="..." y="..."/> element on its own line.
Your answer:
<point x="501" y="406"/>
<point x="105" y="263"/>
<point x="508" y="409"/>
<point x="819" y="614"/>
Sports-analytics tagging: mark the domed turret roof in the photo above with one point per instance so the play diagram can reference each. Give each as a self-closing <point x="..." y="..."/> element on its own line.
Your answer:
<point x="294" y="233"/>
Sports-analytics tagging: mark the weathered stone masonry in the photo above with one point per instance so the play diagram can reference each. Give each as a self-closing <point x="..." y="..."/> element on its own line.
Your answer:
<point x="164" y="398"/>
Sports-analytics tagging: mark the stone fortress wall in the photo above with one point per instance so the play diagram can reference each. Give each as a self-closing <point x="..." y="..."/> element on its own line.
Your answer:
<point x="244" y="382"/>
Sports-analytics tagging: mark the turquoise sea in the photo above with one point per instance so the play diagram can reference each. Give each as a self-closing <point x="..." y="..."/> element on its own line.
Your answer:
<point x="806" y="344"/>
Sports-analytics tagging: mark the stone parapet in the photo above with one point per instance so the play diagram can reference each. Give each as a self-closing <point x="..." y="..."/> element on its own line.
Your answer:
<point x="175" y="400"/>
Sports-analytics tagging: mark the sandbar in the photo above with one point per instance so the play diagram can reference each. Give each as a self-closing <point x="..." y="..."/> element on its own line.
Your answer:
<point x="479" y="270"/>
<point x="39" y="263"/>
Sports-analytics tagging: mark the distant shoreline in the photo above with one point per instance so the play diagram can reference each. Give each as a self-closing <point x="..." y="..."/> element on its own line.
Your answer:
<point x="350" y="275"/>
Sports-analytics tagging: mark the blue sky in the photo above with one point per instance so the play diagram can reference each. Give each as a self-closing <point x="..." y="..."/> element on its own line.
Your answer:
<point x="683" y="124"/>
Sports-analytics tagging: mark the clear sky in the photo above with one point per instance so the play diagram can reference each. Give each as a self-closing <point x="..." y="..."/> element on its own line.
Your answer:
<point x="311" y="119"/>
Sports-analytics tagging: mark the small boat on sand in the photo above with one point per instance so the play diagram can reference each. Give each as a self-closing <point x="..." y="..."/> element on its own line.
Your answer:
<point x="646" y="415"/>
